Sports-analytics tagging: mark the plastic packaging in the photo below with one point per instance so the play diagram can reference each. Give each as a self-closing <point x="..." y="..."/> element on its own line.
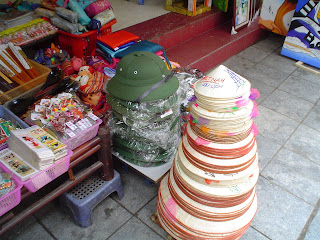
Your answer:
<point x="147" y="134"/>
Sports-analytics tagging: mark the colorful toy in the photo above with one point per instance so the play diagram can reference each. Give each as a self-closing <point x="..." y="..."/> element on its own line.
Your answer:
<point x="91" y="82"/>
<point x="51" y="56"/>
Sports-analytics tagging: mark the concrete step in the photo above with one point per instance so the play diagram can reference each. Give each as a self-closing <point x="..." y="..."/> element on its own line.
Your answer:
<point x="202" y="41"/>
<point x="213" y="47"/>
<point x="172" y="28"/>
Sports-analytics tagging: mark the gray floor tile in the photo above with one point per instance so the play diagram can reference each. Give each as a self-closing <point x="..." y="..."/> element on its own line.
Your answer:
<point x="267" y="149"/>
<point x="238" y="64"/>
<point x="280" y="215"/>
<point x="134" y="229"/>
<point x="136" y="192"/>
<point x="146" y="212"/>
<point x="295" y="173"/>
<point x="313" y="233"/>
<point x="288" y="105"/>
<point x="269" y="44"/>
<point x="313" y="118"/>
<point x="303" y="74"/>
<point x="253" y="54"/>
<point x="107" y="217"/>
<point x="268" y="75"/>
<point x="305" y="141"/>
<point x="301" y="88"/>
<point x="34" y="232"/>
<point x="20" y="227"/>
<point x="263" y="89"/>
<point x="279" y="62"/>
<point x="275" y="126"/>
<point x="252" y="234"/>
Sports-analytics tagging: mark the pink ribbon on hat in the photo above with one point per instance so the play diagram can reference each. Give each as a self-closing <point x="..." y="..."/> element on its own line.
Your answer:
<point x="200" y="141"/>
<point x="254" y="129"/>
<point x="254" y="112"/>
<point x="242" y="102"/>
<point x="171" y="206"/>
<point x="254" y="94"/>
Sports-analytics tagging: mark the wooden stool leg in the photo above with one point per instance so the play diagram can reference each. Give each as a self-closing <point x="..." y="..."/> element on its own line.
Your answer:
<point x="71" y="175"/>
<point x="105" y="155"/>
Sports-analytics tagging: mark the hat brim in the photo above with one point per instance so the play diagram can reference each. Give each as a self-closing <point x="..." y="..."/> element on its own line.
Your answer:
<point x="132" y="93"/>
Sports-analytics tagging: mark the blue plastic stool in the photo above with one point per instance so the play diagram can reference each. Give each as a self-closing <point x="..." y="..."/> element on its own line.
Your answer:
<point x="86" y="195"/>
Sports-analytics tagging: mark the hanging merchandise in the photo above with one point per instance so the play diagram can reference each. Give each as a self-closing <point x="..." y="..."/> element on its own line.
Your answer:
<point x="144" y="98"/>
<point x="209" y="192"/>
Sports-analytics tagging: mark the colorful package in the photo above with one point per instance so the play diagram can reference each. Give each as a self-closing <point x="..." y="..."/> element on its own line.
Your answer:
<point x="97" y="7"/>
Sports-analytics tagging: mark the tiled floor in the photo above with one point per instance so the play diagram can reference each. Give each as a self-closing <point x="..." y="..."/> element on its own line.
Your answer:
<point x="289" y="149"/>
<point x="129" y="13"/>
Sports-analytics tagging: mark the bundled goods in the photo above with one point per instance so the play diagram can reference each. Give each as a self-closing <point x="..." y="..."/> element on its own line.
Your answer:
<point x="145" y="100"/>
<point x="6" y="183"/>
<point x="78" y="16"/>
<point x="210" y="192"/>
<point x="15" y="18"/>
<point x="38" y="147"/>
<point x="28" y="32"/>
<point x="113" y="44"/>
<point x="15" y="67"/>
<point x="64" y="114"/>
<point x="22" y="169"/>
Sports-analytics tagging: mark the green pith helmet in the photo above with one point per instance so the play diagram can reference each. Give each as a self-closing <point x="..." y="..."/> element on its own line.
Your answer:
<point x="142" y="77"/>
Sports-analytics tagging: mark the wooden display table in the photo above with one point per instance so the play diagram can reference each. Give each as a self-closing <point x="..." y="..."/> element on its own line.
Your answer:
<point x="99" y="144"/>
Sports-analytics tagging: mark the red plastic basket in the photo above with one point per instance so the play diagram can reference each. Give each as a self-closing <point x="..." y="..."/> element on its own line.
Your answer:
<point x="84" y="44"/>
<point x="11" y="199"/>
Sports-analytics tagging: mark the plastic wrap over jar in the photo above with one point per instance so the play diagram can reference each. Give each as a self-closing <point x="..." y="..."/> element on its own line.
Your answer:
<point x="159" y="137"/>
<point x="135" y="111"/>
<point x="150" y="107"/>
<point x="157" y="121"/>
<point x="140" y="154"/>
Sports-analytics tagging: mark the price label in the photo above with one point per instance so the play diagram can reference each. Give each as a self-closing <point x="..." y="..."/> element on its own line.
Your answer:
<point x="69" y="132"/>
<point x="167" y="113"/>
<point x="92" y="116"/>
<point x="87" y="122"/>
<point x="71" y="126"/>
<point x="81" y="125"/>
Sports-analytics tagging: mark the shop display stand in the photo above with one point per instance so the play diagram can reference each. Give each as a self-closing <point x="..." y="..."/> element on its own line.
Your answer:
<point x="307" y="67"/>
<point x="154" y="174"/>
<point x="104" y="162"/>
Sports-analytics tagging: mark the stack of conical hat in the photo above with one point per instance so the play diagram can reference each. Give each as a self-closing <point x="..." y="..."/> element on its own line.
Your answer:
<point x="209" y="192"/>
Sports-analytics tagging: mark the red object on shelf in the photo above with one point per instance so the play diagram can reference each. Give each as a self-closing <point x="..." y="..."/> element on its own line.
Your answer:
<point x="84" y="44"/>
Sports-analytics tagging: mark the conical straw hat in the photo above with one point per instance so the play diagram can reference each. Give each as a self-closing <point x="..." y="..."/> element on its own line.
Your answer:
<point x="203" y="227"/>
<point x="203" y="211"/>
<point x="222" y="83"/>
<point x="224" y="192"/>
